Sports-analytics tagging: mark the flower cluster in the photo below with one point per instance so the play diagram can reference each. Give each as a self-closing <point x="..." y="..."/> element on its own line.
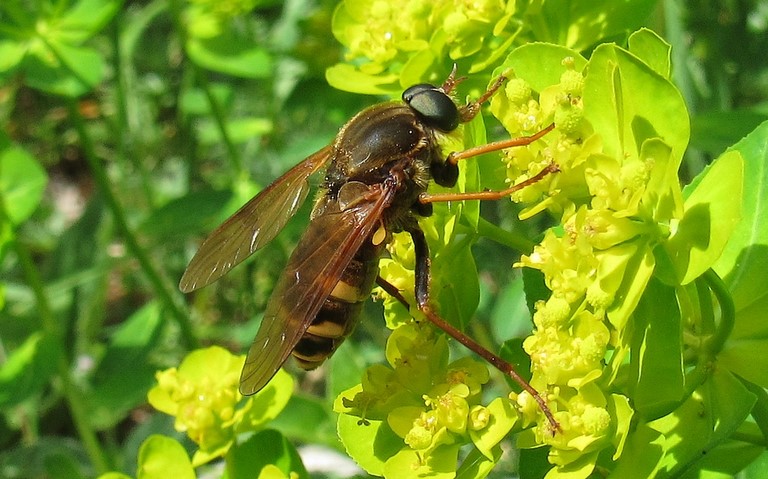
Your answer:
<point x="203" y="396"/>
<point x="207" y="18"/>
<point x="431" y="404"/>
<point x="613" y="207"/>
<point x="382" y="37"/>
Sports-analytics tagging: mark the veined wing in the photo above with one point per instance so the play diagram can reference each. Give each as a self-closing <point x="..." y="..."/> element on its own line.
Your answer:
<point x="325" y="250"/>
<point x="252" y="226"/>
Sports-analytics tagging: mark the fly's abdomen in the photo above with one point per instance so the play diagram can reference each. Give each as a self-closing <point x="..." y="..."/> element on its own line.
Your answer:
<point x="340" y="312"/>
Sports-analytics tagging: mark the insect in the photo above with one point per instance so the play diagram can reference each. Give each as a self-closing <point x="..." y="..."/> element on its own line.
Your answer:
<point x="377" y="171"/>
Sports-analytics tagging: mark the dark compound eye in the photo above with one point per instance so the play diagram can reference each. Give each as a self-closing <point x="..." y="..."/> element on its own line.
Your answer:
<point x="433" y="106"/>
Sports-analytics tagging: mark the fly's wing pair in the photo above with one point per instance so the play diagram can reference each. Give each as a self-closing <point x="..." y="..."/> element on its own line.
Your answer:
<point x="252" y="226"/>
<point x="324" y="251"/>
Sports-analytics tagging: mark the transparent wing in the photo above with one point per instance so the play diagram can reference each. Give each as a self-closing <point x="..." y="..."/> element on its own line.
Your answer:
<point x="252" y="226"/>
<point x="326" y="248"/>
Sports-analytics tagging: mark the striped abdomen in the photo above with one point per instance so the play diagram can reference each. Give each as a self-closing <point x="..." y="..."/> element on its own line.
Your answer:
<point x="341" y="310"/>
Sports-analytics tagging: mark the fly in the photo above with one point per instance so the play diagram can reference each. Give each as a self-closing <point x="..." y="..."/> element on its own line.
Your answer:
<point x="377" y="171"/>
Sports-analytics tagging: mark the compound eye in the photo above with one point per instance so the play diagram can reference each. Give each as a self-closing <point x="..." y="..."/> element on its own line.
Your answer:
<point x="433" y="106"/>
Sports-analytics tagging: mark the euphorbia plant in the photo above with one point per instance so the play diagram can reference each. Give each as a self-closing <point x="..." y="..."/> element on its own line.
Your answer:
<point x="637" y="343"/>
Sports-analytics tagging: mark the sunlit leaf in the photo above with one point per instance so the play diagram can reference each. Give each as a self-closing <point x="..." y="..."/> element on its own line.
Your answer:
<point x="28" y="368"/>
<point x="126" y="373"/>
<point x="369" y="444"/>
<point x="22" y="182"/>
<point x="161" y="457"/>
<point x="232" y="55"/>
<point x="744" y="261"/>
<point x="263" y="449"/>
<point x="712" y="211"/>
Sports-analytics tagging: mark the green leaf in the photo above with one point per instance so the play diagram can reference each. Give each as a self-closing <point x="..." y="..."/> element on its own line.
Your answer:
<point x="27" y="369"/>
<point x="662" y="196"/>
<point x="231" y="54"/>
<point x="439" y="464"/>
<point x="533" y="463"/>
<point x="456" y="287"/>
<point x="174" y="220"/>
<point x="510" y="317"/>
<point x="241" y="130"/>
<point x="643" y="451"/>
<point x="541" y="64"/>
<point x="244" y="460"/>
<point x="503" y="419"/>
<point x="637" y="263"/>
<point x="370" y="444"/>
<point x="581" y="468"/>
<point x="11" y="54"/>
<point x="346" y="77"/>
<point x="126" y="373"/>
<point x="346" y="368"/>
<point x="712" y="211"/>
<point x="65" y="70"/>
<point x="85" y="19"/>
<point x="706" y="420"/>
<point x="161" y="457"/>
<point x="758" y="469"/>
<point x="114" y="475"/>
<point x="744" y="261"/>
<point x="477" y="465"/>
<point x="62" y="466"/>
<point x="626" y="119"/>
<point x="270" y="401"/>
<point x="655" y="52"/>
<point x="729" y="459"/>
<point x="744" y="352"/>
<point x="657" y="352"/>
<point x="22" y="183"/>
<point x="49" y="457"/>
<point x="307" y="419"/>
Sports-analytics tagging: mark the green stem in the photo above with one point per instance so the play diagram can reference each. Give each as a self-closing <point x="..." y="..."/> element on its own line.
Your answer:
<point x="760" y="409"/>
<point x="75" y="400"/>
<point x="219" y="117"/>
<point x="164" y="292"/>
<point x="713" y="344"/>
<point x="122" y="127"/>
<point x="706" y="308"/>
<point x="507" y="238"/>
<point x="727" y="312"/>
<point x="216" y="109"/>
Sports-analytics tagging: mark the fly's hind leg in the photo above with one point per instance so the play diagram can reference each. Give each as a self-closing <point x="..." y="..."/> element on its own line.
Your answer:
<point x="422" y="303"/>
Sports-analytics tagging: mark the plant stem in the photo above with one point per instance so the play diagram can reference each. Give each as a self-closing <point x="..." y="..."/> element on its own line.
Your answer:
<point x="506" y="238"/>
<point x="201" y="76"/>
<point x="727" y="312"/>
<point x="75" y="400"/>
<point x="164" y="292"/>
<point x="122" y="127"/>
<point x="218" y="115"/>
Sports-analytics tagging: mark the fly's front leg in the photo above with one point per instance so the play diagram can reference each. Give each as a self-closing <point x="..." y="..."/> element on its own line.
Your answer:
<point x="422" y="290"/>
<point x="447" y="172"/>
<point x="457" y="156"/>
<point x="427" y="198"/>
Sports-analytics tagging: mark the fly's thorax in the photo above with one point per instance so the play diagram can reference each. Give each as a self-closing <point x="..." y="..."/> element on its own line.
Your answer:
<point x="378" y="138"/>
